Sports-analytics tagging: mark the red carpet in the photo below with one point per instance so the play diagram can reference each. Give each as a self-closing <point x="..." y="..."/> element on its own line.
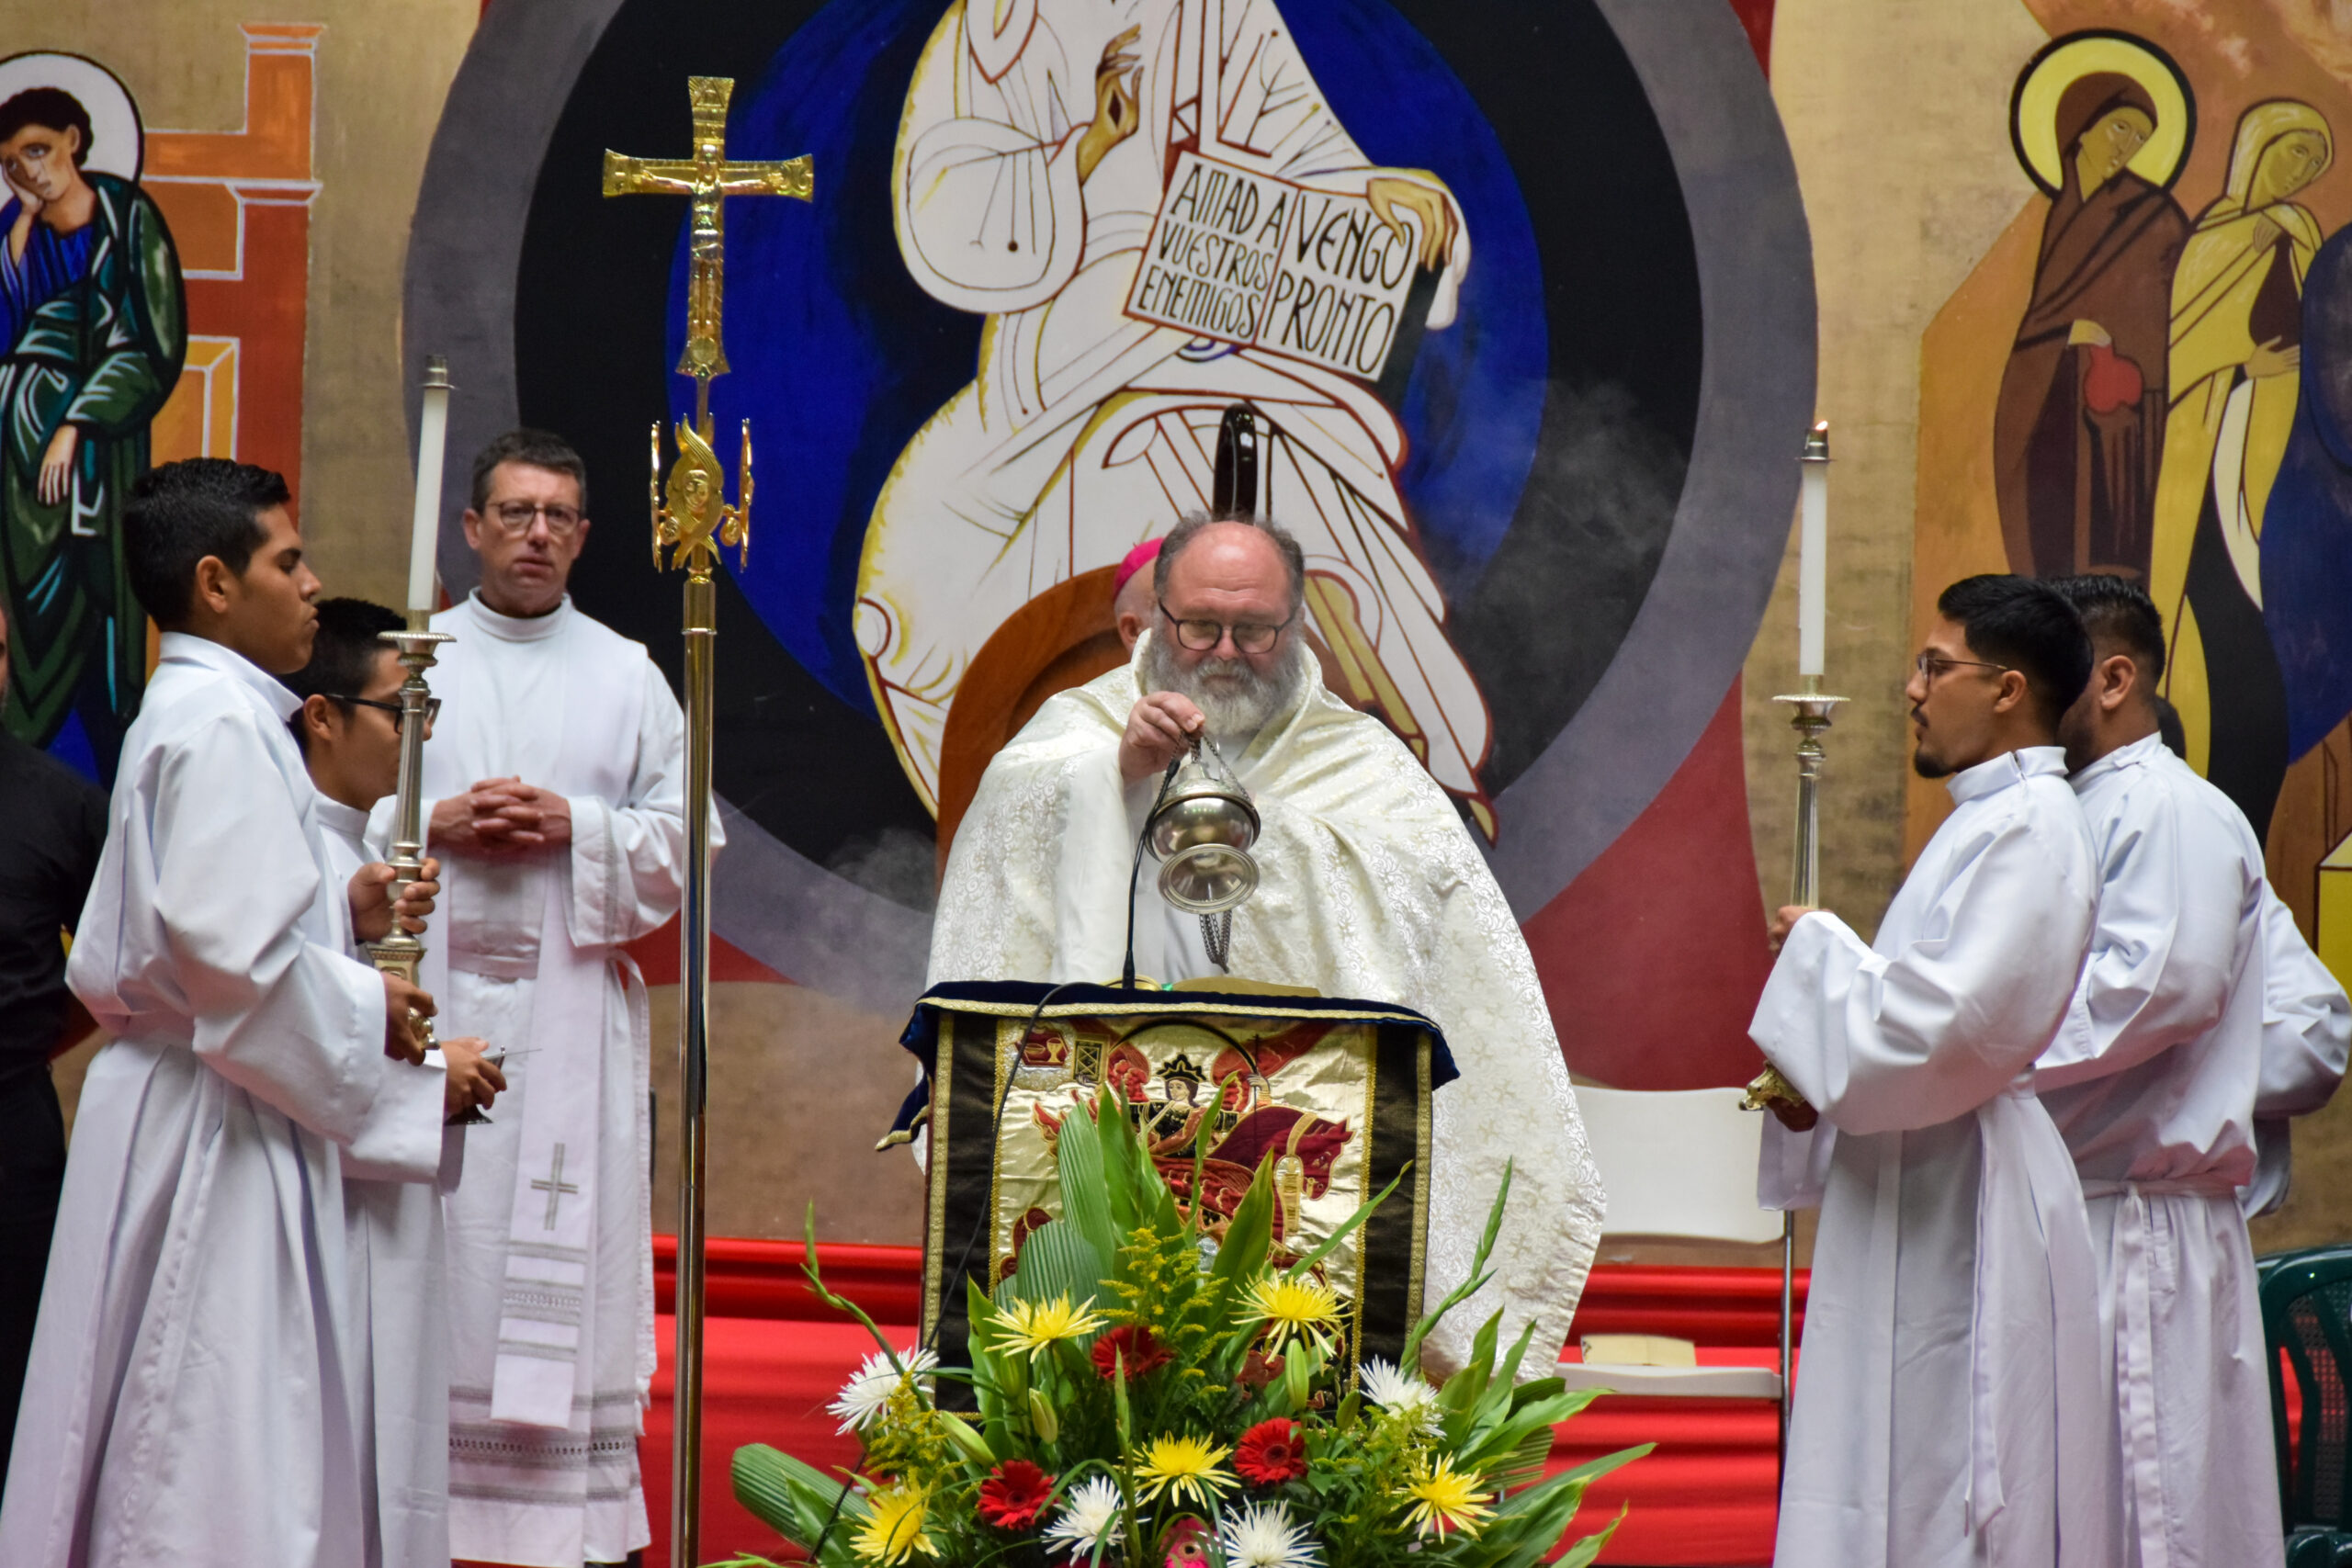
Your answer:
<point x="773" y="1358"/>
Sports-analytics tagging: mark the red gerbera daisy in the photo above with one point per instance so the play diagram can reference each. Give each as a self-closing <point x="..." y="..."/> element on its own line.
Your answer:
<point x="1014" y="1493"/>
<point x="1133" y="1344"/>
<point x="1272" y="1452"/>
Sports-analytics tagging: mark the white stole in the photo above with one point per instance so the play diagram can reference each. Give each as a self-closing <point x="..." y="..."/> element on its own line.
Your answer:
<point x="546" y="1312"/>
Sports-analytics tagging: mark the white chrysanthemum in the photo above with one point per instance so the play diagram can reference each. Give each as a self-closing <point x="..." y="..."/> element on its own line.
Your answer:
<point x="1400" y="1393"/>
<point x="870" y="1387"/>
<point x="1262" y="1534"/>
<point x="1089" y="1516"/>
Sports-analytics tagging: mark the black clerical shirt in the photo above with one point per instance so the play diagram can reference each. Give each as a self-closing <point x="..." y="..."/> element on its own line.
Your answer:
<point x="52" y="825"/>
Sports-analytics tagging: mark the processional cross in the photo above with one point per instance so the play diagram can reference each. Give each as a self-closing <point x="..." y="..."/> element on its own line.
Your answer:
<point x="696" y="520"/>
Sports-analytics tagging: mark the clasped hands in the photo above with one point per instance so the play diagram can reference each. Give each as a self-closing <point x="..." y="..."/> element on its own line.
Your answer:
<point x="502" y="819"/>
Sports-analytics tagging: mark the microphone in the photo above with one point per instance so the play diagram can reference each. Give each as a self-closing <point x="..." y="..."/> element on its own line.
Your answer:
<point x="1135" y="872"/>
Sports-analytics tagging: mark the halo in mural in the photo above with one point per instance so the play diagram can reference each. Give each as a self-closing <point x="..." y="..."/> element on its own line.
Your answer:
<point x="117" y="145"/>
<point x="2033" y="107"/>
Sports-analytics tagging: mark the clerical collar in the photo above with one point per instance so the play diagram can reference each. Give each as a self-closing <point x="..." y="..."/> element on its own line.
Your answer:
<point x="517" y="628"/>
<point x="189" y="648"/>
<point x="1997" y="773"/>
<point x="338" y="819"/>
<point x="2131" y="755"/>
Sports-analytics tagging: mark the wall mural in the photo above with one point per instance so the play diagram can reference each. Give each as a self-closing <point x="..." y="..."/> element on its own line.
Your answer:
<point x="2169" y="405"/>
<point x="147" y="278"/>
<point x="1533" y="415"/>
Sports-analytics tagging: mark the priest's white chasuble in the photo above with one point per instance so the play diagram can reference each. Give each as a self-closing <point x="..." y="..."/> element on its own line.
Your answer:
<point x="1952" y="1407"/>
<point x="550" y="1233"/>
<point x="2153" y="1082"/>
<point x="187" y="1400"/>
<point x="1372" y="889"/>
<point x="397" y="1351"/>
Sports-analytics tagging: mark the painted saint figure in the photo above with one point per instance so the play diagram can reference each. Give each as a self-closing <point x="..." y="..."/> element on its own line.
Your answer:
<point x="1033" y="155"/>
<point x="95" y="321"/>
<point x="2307" y="530"/>
<point x="2077" y="431"/>
<point x="2236" y="361"/>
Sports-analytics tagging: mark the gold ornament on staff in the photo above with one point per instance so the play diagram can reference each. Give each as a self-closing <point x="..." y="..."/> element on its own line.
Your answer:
<point x="693" y="518"/>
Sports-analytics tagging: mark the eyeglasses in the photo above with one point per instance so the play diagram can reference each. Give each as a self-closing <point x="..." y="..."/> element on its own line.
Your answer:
<point x="431" y="707"/>
<point x="1250" y="637"/>
<point x="515" y="517"/>
<point x="1932" y="665"/>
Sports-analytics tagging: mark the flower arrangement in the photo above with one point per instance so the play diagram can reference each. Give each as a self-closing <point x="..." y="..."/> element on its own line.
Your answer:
<point x="1146" y="1395"/>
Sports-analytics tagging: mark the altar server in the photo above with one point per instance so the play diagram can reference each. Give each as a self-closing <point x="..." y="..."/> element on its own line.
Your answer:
<point x="1372" y="888"/>
<point x="558" y="778"/>
<point x="186" y="1400"/>
<point x="1951" y="1409"/>
<point x="2152" y="1080"/>
<point x="348" y="730"/>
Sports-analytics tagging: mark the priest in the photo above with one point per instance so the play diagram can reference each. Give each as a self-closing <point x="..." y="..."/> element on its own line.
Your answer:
<point x="1371" y="888"/>
<point x="555" y="797"/>
<point x="187" y="1398"/>
<point x="348" y="730"/>
<point x="1951" y="1410"/>
<point x="2306" y="1037"/>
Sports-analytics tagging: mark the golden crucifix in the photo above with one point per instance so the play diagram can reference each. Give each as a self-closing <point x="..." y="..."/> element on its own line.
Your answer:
<point x="710" y="179"/>
<point x="696" y="520"/>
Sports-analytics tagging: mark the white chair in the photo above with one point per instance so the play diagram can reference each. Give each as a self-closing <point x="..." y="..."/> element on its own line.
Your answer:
<point x="1680" y="1166"/>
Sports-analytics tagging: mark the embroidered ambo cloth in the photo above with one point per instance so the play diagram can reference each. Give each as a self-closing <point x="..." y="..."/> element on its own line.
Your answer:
<point x="1336" y="1091"/>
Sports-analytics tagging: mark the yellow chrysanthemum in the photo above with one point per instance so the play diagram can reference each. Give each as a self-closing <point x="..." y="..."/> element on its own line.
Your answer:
<point x="1294" y="1309"/>
<point x="1447" y="1499"/>
<point x="894" y="1529"/>
<point x="1184" y="1467"/>
<point x="1033" y="1325"/>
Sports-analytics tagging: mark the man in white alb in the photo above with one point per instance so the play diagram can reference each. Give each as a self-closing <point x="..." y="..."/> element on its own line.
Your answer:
<point x="2154" y="1080"/>
<point x="556" y="779"/>
<point x="1372" y="888"/>
<point x="348" y="730"/>
<point x="1951" y="1410"/>
<point x="189" y="1395"/>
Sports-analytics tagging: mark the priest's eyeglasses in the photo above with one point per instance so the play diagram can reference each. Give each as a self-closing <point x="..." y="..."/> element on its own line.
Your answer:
<point x="515" y="518"/>
<point x="431" y="707"/>
<point x="1930" y="665"/>
<point x="1250" y="637"/>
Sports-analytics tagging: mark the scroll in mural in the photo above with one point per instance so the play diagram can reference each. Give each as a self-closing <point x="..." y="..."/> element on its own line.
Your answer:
<point x="93" y="314"/>
<point x="1087" y="430"/>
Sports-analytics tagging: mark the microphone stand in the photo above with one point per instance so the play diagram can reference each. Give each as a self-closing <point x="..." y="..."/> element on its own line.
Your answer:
<point x="1135" y="872"/>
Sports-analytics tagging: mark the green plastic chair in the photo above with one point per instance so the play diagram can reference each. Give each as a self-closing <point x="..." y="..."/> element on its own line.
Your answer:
<point x="2307" y="1313"/>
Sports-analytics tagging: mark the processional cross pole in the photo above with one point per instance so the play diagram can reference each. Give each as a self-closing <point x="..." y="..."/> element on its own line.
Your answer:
<point x="692" y="516"/>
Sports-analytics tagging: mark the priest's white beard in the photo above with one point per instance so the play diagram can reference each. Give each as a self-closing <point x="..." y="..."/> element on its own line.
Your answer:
<point x="1230" y="693"/>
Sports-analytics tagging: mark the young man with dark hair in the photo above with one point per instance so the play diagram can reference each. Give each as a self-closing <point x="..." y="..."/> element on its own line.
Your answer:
<point x="189" y="1396"/>
<point x="1954" y="1410"/>
<point x="50" y="837"/>
<point x="348" y="730"/>
<point x="2153" y="1080"/>
<point x="557" y="795"/>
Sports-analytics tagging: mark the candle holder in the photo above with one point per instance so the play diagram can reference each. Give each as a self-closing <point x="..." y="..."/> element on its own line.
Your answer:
<point x="401" y="952"/>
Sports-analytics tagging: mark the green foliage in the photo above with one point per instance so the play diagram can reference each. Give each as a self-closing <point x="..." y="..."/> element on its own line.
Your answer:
<point x="1190" y="1364"/>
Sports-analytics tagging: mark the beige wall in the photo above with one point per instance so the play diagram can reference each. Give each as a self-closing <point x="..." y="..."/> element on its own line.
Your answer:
<point x="383" y="68"/>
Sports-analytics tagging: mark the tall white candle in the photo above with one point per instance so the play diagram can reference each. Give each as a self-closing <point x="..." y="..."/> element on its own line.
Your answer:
<point x="1812" y="553"/>
<point x="432" y="437"/>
